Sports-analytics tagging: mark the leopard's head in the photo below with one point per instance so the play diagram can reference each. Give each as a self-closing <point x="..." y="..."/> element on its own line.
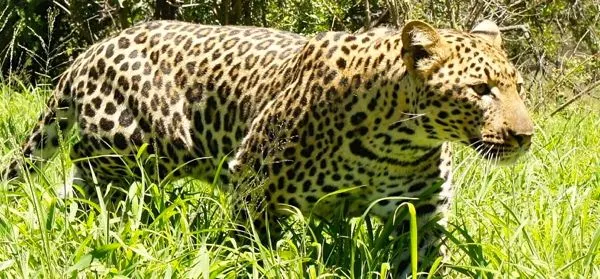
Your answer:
<point x="468" y="90"/>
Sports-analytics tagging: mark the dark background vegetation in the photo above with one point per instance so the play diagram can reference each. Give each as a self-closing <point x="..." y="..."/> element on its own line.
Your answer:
<point x="556" y="43"/>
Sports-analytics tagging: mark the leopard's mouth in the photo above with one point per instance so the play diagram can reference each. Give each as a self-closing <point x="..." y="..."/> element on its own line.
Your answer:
<point x="501" y="153"/>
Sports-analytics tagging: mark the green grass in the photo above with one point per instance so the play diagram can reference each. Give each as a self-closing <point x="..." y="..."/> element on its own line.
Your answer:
<point x="538" y="218"/>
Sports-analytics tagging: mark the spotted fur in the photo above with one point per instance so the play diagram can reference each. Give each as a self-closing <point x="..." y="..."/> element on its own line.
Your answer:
<point x="371" y="112"/>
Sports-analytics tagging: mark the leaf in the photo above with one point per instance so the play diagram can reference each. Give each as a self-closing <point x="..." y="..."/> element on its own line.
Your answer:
<point x="385" y="269"/>
<point x="4" y="228"/>
<point x="141" y="151"/>
<point x="82" y="264"/>
<point x="140" y="250"/>
<point x="101" y="251"/>
<point x="202" y="265"/>
<point x="6" y="264"/>
<point x="413" y="239"/>
<point x="50" y="216"/>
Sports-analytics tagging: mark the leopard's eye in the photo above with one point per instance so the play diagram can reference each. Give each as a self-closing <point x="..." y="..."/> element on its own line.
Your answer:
<point x="481" y="89"/>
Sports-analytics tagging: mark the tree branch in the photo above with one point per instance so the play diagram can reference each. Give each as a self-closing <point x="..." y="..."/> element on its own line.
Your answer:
<point x="574" y="98"/>
<point x="367" y="15"/>
<point x="522" y="27"/>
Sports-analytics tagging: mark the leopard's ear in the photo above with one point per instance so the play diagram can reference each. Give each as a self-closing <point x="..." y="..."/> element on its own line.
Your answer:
<point x="488" y="30"/>
<point x="422" y="47"/>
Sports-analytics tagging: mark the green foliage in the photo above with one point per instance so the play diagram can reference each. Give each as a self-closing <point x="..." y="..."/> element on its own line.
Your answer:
<point x="23" y="21"/>
<point x="38" y="38"/>
<point x="538" y="218"/>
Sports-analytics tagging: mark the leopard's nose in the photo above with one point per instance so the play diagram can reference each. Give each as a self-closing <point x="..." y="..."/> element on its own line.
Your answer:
<point x="523" y="139"/>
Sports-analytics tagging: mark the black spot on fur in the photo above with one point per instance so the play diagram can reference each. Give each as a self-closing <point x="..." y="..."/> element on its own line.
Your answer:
<point x="426" y="209"/>
<point x="106" y="124"/>
<point x="126" y="118"/>
<point x="110" y="108"/>
<point x="358" y="118"/>
<point x="123" y="42"/>
<point x="89" y="111"/>
<point x="120" y="141"/>
<point x="110" y="51"/>
<point x="341" y="63"/>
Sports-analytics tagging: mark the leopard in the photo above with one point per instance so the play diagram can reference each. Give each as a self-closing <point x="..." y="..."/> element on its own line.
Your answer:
<point x="365" y="120"/>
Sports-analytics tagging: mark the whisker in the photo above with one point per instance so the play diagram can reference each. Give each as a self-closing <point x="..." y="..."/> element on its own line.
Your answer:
<point x="475" y="142"/>
<point x="467" y="159"/>
<point x="411" y="117"/>
<point x="487" y="168"/>
<point x="468" y="163"/>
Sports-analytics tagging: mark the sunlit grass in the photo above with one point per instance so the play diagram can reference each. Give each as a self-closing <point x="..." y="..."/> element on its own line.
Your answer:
<point x="538" y="218"/>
